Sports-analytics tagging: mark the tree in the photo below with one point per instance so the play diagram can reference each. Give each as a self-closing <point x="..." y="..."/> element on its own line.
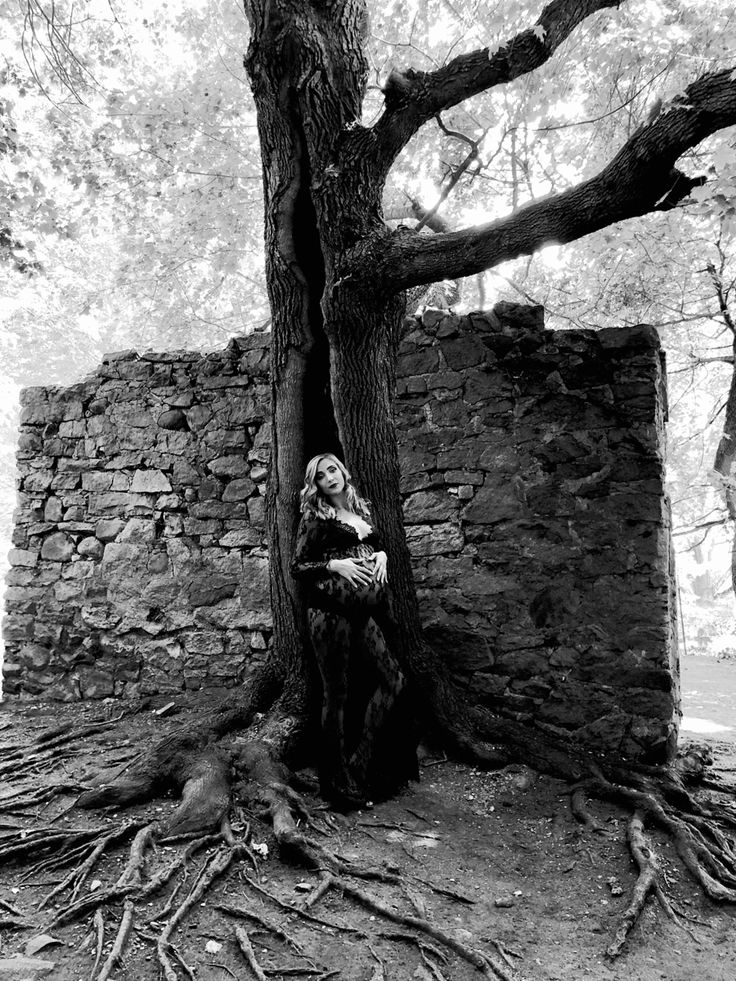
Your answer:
<point x="337" y="277"/>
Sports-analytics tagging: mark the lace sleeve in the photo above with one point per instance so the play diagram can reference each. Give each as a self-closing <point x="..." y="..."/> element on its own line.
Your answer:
<point x="309" y="560"/>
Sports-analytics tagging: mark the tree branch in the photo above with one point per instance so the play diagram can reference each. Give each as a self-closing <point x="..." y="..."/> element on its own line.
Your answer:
<point x="414" y="97"/>
<point x="640" y="179"/>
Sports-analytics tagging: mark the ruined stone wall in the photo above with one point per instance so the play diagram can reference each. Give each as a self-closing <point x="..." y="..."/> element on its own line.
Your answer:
<point x="532" y="474"/>
<point x="533" y="469"/>
<point x="140" y="563"/>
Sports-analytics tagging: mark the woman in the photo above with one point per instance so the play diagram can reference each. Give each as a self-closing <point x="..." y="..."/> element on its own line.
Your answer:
<point x="369" y="745"/>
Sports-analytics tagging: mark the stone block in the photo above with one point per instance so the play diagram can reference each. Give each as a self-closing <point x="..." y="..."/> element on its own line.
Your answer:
<point x="421" y="361"/>
<point x="53" y="510"/>
<point x="198" y="416"/>
<point x="229" y="466"/>
<point x="208" y="588"/>
<point x="207" y="643"/>
<point x="118" y="552"/>
<point x="94" y="682"/>
<point x="491" y="505"/>
<point x="197" y="527"/>
<point x="138" y="530"/>
<point x="37" y="481"/>
<point x="66" y="591"/>
<point x="22" y="557"/>
<point x="430" y="506"/>
<point x="439" y="539"/>
<point x="245" y="537"/>
<point x="257" y="513"/>
<point x="108" y="529"/>
<point x="58" y="547"/>
<point x="172" y="419"/>
<point x="150" y="482"/>
<point x="463" y="352"/>
<point x="254" y="587"/>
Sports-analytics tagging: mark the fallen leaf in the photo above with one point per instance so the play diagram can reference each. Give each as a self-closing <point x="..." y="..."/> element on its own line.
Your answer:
<point x="38" y="943"/>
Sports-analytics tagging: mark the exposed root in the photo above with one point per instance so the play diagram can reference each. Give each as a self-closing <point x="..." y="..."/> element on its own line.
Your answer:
<point x="216" y="866"/>
<point x="488" y="965"/>
<point x="321" y="889"/>
<point x="647" y="881"/>
<point x="13" y="923"/>
<point x="128" y="883"/>
<point x="9" y="908"/>
<point x="434" y="969"/>
<point x="297" y="911"/>
<point x="249" y="954"/>
<point x="206" y="794"/>
<point x="120" y="941"/>
<point x="43" y="840"/>
<point x="99" y="925"/>
<point x="180" y="862"/>
<point x="78" y="875"/>
<point x="379" y="972"/>
<point x="59" y="736"/>
<point x="710" y="864"/>
<point x="25" y="799"/>
<point x="270" y="927"/>
<point x="579" y="808"/>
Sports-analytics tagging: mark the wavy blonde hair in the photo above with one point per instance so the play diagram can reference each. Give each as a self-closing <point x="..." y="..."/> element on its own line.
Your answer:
<point x="314" y="504"/>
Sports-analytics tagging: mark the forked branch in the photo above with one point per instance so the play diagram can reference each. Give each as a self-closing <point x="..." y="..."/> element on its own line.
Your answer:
<point x="641" y="178"/>
<point x="414" y="97"/>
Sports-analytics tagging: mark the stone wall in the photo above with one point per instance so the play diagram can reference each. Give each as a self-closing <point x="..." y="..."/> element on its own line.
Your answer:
<point x="532" y="475"/>
<point x="140" y="563"/>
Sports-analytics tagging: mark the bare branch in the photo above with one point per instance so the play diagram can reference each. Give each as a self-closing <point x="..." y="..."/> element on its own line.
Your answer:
<point x="722" y="296"/>
<point x="414" y="97"/>
<point x="640" y="179"/>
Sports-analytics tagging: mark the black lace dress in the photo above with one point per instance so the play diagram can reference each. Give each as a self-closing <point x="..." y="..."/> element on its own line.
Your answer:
<point x="368" y="731"/>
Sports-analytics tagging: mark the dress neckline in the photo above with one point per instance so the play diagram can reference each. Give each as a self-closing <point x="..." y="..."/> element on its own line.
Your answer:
<point x="346" y="524"/>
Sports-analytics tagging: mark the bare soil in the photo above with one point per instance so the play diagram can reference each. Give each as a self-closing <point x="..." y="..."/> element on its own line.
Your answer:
<point x="513" y="871"/>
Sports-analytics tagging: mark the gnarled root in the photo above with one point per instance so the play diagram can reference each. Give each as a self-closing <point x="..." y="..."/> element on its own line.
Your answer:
<point x="647" y="881"/>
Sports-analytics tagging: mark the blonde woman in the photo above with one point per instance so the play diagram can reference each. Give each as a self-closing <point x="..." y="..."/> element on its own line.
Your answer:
<point x="368" y="738"/>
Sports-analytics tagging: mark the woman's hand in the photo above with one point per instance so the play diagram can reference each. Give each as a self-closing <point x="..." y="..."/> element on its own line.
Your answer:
<point x="351" y="569"/>
<point x="380" y="561"/>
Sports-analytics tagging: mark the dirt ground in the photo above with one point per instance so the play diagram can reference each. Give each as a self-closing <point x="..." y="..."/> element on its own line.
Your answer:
<point x="493" y="858"/>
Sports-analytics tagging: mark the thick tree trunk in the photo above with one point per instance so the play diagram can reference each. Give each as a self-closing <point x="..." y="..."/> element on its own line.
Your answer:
<point x="324" y="235"/>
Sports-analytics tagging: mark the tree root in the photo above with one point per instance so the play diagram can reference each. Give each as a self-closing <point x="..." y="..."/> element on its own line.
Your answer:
<point x="249" y="954"/>
<point x="79" y="874"/>
<point x="488" y="965"/>
<point x="99" y="925"/>
<point x="121" y="940"/>
<point x="711" y="865"/>
<point x="580" y="811"/>
<point x="647" y="881"/>
<point x="129" y="882"/>
<point x="215" y="867"/>
<point x="268" y="927"/>
<point x="25" y="799"/>
<point x="43" y="840"/>
<point x="659" y="798"/>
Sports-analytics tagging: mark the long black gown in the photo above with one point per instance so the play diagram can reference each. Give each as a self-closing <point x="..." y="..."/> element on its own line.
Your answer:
<point x="368" y="728"/>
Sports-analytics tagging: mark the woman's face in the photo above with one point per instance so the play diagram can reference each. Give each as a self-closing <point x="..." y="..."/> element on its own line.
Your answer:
<point x="330" y="481"/>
